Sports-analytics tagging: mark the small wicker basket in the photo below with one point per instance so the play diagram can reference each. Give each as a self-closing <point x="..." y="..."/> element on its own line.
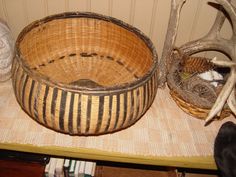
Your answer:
<point x="84" y="73"/>
<point x="194" y="65"/>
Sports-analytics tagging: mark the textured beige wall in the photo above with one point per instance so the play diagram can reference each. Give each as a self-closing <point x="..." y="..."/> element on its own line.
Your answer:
<point x="150" y="16"/>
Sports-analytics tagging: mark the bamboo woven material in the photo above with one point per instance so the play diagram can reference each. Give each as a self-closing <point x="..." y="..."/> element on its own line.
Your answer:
<point x="84" y="73"/>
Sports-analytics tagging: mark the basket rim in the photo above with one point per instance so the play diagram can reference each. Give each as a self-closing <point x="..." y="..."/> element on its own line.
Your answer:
<point x="75" y="88"/>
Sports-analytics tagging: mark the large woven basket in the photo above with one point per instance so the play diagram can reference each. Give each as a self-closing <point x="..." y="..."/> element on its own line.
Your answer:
<point x="84" y="73"/>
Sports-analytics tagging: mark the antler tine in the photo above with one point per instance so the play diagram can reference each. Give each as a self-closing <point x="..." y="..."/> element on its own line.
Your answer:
<point x="171" y="34"/>
<point x="213" y="40"/>
<point x="228" y="92"/>
<point x="224" y="95"/>
<point x="217" y="25"/>
<point x="230" y="10"/>
<point x="232" y="101"/>
<point x="204" y="44"/>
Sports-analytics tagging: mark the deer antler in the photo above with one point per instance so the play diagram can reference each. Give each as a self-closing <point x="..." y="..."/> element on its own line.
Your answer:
<point x="171" y="34"/>
<point x="213" y="41"/>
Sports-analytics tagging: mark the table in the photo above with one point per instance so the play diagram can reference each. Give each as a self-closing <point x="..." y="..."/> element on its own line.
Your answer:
<point x="164" y="136"/>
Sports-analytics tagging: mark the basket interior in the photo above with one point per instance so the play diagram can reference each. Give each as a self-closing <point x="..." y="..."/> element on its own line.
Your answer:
<point x="85" y="51"/>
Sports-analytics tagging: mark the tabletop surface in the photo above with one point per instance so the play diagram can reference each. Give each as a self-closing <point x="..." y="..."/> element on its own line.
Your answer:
<point x="165" y="135"/>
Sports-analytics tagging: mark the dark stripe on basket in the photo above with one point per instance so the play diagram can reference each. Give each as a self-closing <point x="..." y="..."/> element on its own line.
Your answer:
<point x="17" y="73"/>
<point x="70" y="121"/>
<point x="148" y="93"/>
<point x="30" y="96"/>
<point x="120" y="62"/>
<point x="23" y="91"/>
<point x="125" y="109"/>
<point x="15" y="70"/>
<point x="136" y="77"/>
<point x="62" y="109"/>
<point x="128" y="69"/>
<point x="42" y="65"/>
<point x="154" y="84"/>
<point x="84" y="54"/>
<point x="36" y="98"/>
<point x="53" y="105"/>
<point x="94" y="54"/>
<point x="151" y="86"/>
<point x="60" y="58"/>
<point x="21" y="86"/>
<point x="144" y="98"/>
<point x="72" y="54"/>
<point x="131" y="105"/>
<point x="53" y="101"/>
<point x="137" y="102"/>
<point x="45" y="103"/>
<point x="100" y="113"/>
<point x="109" y="112"/>
<point x="110" y="58"/>
<point x="88" y="113"/>
<point x="15" y="83"/>
<point x="51" y="61"/>
<point x="117" y="110"/>
<point x="79" y="114"/>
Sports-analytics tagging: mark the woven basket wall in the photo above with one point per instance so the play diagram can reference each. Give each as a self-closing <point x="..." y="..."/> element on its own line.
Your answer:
<point x="84" y="73"/>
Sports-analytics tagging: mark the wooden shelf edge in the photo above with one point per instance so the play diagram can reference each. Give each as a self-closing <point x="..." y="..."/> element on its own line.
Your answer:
<point x="196" y="162"/>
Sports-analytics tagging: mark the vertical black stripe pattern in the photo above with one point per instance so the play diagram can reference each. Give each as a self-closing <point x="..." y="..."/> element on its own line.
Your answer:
<point x="79" y="114"/>
<point x="124" y="110"/>
<point x="100" y="113"/>
<point x="20" y="86"/>
<point x="62" y="109"/>
<point x="53" y="104"/>
<point x="23" y="91"/>
<point x="30" y="96"/>
<point x="88" y="113"/>
<point x="151" y="85"/>
<point x="148" y="93"/>
<point x="117" y="110"/>
<point x="154" y="85"/>
<point x="14" y="74"/>
<point x="36" y="98"/>
<point x="70" y="123"/>
<point x="45" y="104"/>
<point x="138" y="102"/>
<point x="144" y="98"/>
<point x="132" y="105"/>
<point x="109" y="112"/>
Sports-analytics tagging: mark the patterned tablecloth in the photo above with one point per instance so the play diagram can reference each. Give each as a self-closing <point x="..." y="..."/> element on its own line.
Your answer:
<point x="164" y="130"/>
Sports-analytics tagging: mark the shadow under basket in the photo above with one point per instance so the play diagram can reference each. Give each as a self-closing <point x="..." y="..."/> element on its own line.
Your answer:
<point x="187" y="100"/>
<point x="84" y="73"/>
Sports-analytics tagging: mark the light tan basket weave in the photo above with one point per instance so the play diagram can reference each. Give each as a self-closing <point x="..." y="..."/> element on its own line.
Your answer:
<point x="84" y="73"/>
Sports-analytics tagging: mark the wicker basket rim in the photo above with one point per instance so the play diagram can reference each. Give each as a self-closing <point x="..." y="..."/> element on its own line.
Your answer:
<point x="98" y="90"/>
